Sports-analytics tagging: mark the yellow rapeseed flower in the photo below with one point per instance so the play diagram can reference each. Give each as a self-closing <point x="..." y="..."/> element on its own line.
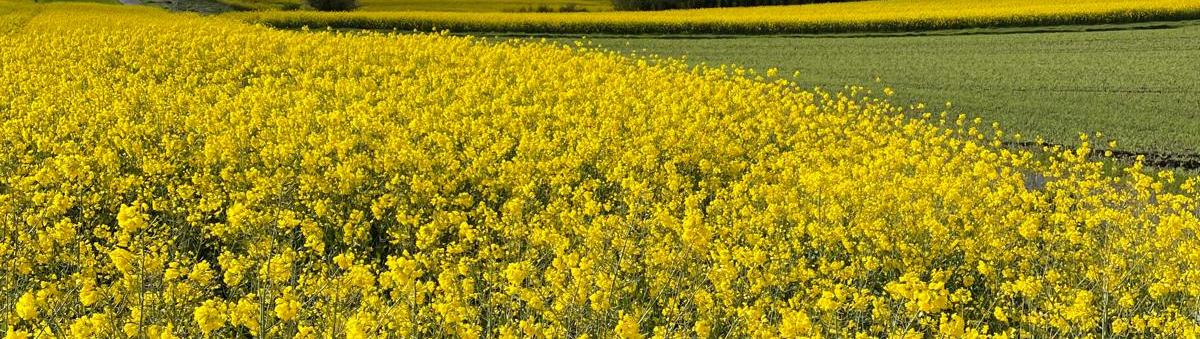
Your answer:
<point x="27" y="307"/>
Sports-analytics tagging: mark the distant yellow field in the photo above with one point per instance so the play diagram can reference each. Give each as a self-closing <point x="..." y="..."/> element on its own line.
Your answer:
<point x="889" y="15"/>
<point x="437" y="5"/>
<point x="478" y="5"/>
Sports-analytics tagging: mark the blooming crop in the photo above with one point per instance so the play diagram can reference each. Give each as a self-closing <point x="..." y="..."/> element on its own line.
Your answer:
<point x="175" y="175"/>
<point x="838" y="17"/>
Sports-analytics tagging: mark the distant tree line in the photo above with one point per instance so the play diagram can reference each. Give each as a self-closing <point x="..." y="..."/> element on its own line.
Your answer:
<point x="655" y="5"/>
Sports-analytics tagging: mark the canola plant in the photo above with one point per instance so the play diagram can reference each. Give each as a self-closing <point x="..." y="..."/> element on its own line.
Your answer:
<point x="168" y="175"/>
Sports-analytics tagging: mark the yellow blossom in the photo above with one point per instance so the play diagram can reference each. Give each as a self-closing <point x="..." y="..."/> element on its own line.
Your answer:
<point x="627" y="327"/>
<point x="27" y="307"/>
<point x="209" y="316"/>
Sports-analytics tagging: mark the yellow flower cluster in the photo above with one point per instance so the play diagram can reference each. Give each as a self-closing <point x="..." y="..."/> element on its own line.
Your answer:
<point x="170" y="175"/>
<point x="852" y="16"/>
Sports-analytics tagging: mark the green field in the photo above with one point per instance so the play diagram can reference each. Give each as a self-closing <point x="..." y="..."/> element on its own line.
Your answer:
<point x="1141" y="86"/>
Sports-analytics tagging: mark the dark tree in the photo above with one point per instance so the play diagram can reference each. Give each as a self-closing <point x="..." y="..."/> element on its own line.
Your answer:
<point x="655" y="5"/>
<point x="333" y="5"/>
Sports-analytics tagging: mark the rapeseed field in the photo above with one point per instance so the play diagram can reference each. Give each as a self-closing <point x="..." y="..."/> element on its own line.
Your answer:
<point x="169" y="175"/>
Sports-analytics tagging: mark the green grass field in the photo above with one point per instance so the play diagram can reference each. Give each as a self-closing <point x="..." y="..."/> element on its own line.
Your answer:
<point x="1141" y="86"/>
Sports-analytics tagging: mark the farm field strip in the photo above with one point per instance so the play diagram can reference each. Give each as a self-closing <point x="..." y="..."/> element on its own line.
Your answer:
<point x="570" y="37"/>
<point x="478" y="5"/>
<point x="439" y="5"/>
<point x="858" y="16"/>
